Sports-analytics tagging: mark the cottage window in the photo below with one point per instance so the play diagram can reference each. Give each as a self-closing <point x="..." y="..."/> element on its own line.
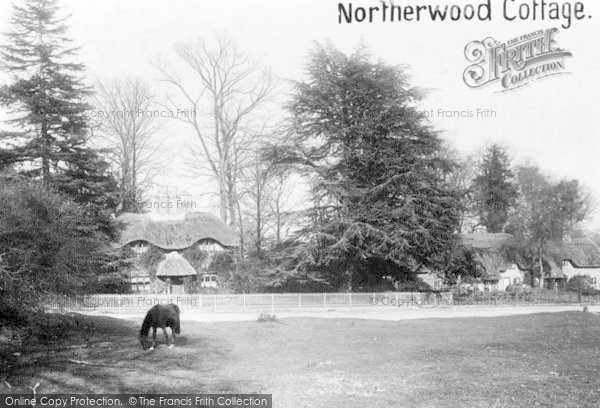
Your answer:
<point x="140" y="248"/>
<point x="209" y="281"/>
<point x="140" y="283"/>
<point x="210" y="246"/>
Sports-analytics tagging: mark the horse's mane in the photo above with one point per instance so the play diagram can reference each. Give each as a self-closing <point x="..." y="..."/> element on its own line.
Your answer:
<point x="147" y="323"/>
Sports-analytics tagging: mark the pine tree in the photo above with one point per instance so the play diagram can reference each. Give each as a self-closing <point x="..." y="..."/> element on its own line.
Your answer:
<point x="494" y="189"/>
<point x="381" y="204"/>
<point x="48" y="148"/>
<point x="47" y="102"/>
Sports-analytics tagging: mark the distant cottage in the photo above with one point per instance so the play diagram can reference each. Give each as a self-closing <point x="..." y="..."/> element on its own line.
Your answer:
<point x="581" y="256"/>
<point x="203" y="230"/>
<point x="496" y="271"/>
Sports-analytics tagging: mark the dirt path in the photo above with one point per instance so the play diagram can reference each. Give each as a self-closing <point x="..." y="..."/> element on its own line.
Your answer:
<point x="389" y="313"/>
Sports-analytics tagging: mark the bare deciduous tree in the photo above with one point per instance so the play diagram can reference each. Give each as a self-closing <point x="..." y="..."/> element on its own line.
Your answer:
<point x="265" y="194"/>
<point x="126" y="123"/>
<point x="228" y="88"/>
<point x="279" y="206"/>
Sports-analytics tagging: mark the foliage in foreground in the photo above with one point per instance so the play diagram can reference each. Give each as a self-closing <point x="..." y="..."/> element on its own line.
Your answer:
<point x="47" y="245"/>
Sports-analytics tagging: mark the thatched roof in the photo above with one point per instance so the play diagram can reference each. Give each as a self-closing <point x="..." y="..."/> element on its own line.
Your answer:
<point x="486" y="247"/>
<point x="482" y="240"/>
<point x="555" y="271"/>
<point x="582" y="252"/>
<point x="492" y="263"/>
<point x="175" y="234"/>
<point x="174" y="265"/>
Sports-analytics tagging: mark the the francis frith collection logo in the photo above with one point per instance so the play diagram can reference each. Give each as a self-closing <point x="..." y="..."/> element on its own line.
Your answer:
<point x="514" y="63"/>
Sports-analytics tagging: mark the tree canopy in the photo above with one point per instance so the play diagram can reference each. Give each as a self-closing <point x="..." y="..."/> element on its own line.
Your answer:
<point x="495" y="192"/>
<point x="381" y="205"/>
<point x="546" y="212"/>
<point x="47" y="107"/>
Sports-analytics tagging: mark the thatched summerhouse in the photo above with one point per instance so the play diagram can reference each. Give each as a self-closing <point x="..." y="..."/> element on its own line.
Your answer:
<point x="173" y="269"/>
<point x="174" y="266"/>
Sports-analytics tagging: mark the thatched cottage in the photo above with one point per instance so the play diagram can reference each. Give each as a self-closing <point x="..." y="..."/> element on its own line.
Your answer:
<point x="203" y="230"/>
<point x="580" y="255"/>
<point x="496" y="271"/>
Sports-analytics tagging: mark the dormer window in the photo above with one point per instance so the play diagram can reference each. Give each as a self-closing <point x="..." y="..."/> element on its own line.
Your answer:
<point x="139" y="248"/>
<point x="210" y="246"/>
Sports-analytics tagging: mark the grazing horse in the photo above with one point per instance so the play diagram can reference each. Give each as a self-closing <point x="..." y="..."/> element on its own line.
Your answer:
<point x="162" y="316"/>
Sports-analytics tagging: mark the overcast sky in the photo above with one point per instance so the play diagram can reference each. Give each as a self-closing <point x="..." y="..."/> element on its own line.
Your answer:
<point x="554" y="122"/>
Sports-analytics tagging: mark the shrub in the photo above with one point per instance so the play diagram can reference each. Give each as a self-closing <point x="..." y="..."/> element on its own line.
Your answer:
<point x="150" y="259"/>
<point x="580" y="283"/>
<point x="48" y="328"/>
<point x="266" y="317"/>
<point x="413" y="286"/>
<point x="113" y="283"/>
<point x="48" y="244"/>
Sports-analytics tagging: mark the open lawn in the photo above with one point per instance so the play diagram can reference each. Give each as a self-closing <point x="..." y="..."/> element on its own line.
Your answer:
<point x="546" y="359"/>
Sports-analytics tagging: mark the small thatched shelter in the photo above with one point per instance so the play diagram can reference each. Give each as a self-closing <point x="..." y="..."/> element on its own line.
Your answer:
<point x="172" y="270"/>
<point x="174" y="265"/>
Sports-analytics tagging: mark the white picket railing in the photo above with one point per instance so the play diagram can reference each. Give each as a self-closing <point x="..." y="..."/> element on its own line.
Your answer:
<point x="256" y="302"/>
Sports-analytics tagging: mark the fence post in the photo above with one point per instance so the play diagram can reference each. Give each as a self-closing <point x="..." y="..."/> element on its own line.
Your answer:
<point x="299" y="301"/>
<point x="325" y="299"/>
<point x="350" y="298"/>
<point x="244" y="298"/>
<point x="272" y="303"/>
<point x="214" y="302"/>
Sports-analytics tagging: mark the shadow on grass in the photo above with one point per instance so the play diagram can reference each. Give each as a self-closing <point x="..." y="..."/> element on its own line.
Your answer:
<point x="103" y="355"/>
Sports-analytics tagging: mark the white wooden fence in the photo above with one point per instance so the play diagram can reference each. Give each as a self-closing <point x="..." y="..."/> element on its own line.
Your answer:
<point x="234" y="303"/>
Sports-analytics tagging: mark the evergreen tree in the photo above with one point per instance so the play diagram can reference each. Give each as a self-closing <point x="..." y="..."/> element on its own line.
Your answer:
<point x="494" y="190"/>
<point x="381" y="206"/>
<point x="46" y="102"/>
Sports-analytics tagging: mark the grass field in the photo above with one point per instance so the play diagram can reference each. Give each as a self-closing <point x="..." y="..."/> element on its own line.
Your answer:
<point x="546" y="360"/>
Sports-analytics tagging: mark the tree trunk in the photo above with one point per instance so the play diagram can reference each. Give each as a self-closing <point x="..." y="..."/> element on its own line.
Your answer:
<point x="45" y="153"/>
<point x="231" y="202"/>
<point x="278" y="224"/>
<point x="134" y="166"/>
<point x="541" y="264"/>
<point x="239" y="210"/>
<point x="258" y="221"/>
<point x="223" y="200"/>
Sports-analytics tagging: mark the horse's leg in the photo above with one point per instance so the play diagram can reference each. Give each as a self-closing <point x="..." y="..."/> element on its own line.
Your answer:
<point x="153" y="337"/>
<point x="164" y="329"/>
